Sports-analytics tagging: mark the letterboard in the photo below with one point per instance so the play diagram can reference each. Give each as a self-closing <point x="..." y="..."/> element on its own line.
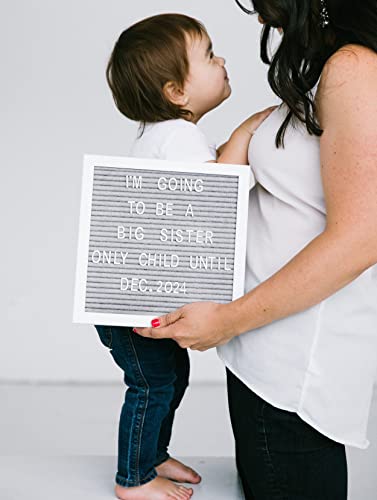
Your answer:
<point x="155" y="235"/>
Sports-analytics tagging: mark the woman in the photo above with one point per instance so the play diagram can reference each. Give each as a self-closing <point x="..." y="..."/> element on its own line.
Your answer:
<point x="300" y="346"/>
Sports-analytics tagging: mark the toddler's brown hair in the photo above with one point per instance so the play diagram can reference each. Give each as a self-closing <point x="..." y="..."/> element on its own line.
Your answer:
<point x="146" y="56"/>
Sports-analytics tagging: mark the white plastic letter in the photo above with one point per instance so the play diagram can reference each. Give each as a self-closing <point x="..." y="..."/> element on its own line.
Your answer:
<point x="189" y="211"/>
<point x="98" y="256"/>
<point x="139" y="233"/>
<point x="121" y="232"/>
<point x="159" y="208"/>
<point x="123" y="286"/>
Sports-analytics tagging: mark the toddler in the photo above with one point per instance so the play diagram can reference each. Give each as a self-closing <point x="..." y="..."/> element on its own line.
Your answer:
<point x="164" y="74"/>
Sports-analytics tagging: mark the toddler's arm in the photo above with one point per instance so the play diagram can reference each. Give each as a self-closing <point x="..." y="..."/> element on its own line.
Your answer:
<point x="236" y="149"/>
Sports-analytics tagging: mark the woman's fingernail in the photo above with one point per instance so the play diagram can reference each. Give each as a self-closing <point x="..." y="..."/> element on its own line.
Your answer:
<point x="155" y="323"/>
<point x="134" y="330"/>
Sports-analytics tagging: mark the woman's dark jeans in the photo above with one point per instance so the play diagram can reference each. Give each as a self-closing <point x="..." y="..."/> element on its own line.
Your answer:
<point x="156" y="373"/>
<point x="278" y="455"/>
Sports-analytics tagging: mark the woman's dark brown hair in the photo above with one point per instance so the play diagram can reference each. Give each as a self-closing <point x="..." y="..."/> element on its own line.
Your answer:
<point x="146" y="56"/>
<point x="305" y="47"/>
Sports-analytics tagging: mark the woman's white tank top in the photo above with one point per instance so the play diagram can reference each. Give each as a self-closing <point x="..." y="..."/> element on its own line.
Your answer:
<point x="321" y="362"/>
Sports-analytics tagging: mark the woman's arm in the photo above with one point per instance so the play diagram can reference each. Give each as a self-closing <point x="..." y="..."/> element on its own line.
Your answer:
<point x="236" y="149"/>
<point x="347" y="246"/>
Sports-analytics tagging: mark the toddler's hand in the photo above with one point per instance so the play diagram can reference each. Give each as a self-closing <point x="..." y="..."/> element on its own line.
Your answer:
<point x="251" y="124"/>
<point x="235" y="151"/>
<point x="221" y="148"/>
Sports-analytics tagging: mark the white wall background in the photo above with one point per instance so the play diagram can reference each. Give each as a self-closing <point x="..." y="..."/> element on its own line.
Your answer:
<point x="55" y="106"/>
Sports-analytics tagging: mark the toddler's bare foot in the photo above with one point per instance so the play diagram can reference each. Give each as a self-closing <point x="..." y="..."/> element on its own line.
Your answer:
<point x="177" y="471"/>
<point x="157" y="489"/>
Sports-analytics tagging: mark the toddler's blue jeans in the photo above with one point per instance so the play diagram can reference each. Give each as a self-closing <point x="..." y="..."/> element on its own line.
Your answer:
<point x="156" y="374"/>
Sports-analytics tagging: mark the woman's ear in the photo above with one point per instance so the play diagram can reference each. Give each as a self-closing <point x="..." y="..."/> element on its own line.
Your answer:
<point x="175" y="94"/>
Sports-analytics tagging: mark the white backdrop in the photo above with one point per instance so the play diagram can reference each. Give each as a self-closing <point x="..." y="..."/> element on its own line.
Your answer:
<point x="55" y="106"/>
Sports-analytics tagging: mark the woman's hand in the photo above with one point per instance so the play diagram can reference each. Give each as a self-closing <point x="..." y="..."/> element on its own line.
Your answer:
<point x="198" y="326"/>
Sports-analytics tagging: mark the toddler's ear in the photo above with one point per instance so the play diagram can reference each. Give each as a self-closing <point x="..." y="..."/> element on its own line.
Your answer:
<point x="175" y="94"/>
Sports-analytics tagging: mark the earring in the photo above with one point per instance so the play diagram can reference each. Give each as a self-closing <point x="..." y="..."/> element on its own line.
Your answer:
<point x="324" y="15"/>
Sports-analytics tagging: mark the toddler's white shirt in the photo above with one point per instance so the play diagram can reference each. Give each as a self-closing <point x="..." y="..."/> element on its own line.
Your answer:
<point x="176" y="140"/>
<point x="172" y="140"/>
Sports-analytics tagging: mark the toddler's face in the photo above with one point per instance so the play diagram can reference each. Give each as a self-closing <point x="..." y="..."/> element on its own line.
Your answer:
<point x="207" y="85"/>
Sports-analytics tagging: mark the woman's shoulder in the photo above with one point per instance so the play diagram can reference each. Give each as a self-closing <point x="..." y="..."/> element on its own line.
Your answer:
<point x="355" y="50"/>
<point x="347" y="63"/>
<point x="351" y="71"/>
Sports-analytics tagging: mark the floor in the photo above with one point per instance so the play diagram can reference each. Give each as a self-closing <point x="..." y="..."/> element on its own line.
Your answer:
<point x="79" y="478"/>
<point x="59" y="441"/>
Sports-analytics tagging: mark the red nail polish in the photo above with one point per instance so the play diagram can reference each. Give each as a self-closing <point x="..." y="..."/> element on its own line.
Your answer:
<point x="134" y="330"/>
<point x="155" y="323"/>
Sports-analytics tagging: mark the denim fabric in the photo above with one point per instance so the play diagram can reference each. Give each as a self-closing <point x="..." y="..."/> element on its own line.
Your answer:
<point x="278" y="455"/>
<point x="156" y="374"/>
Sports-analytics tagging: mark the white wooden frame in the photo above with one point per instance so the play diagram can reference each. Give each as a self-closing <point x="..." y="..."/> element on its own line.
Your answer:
<point x="90" y="161"/>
